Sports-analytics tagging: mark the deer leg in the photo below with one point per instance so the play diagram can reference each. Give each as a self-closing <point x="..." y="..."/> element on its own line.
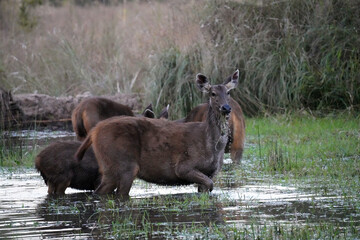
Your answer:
<point x="195" y="176"/>
<point x="126" y="179"/>
<point x="124" y="185"/>
<point x="236" y="155"/>
<point x="106" y="186"/>
<point x="60" y="188"/>
<point x="51" y="188"/>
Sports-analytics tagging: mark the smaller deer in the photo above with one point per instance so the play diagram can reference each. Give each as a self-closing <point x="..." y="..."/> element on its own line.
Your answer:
<point x="60" y="170"/>
<point x="163" y="152"/>
<point x="236" y="139"/>
<point x="93" y="110"/>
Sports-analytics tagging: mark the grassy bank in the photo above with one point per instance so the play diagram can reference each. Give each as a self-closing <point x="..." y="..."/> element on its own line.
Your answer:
<point x="304" y="146"/>
<point x="291" y="54"/>
<point x="17" y="152"/>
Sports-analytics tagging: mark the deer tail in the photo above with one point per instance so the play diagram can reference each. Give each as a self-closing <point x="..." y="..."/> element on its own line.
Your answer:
<point x="83" y="147"/>
<point x="78" y="124"/>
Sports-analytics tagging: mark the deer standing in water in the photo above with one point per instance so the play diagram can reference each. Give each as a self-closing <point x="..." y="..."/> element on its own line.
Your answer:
<point x="163" y="152"/>
<point x="235" y="144"/>
<point x="93" y="110"/>
<point x="60" y="170"/>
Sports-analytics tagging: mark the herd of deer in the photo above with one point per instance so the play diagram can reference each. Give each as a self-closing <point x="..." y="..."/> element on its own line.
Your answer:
<point x="118" y="146"/>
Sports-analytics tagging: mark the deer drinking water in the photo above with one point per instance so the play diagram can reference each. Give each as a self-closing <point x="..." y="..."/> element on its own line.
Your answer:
<point x="60" y="170"/>
<point x="163" y="152"/>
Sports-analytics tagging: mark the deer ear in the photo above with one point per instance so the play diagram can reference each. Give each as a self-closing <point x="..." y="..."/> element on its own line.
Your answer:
<point x="202" y="83"/>
<point x="232" y="81"/>
<point x="149" y="107"/>
<point x="148" y="113"/>
<point x="164" y="113"/>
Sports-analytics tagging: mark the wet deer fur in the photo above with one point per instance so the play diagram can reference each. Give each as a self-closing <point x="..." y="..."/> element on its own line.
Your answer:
<point x="163" y="152"/>
<point x="60" y="170"/>
<point x="93" y="110"/>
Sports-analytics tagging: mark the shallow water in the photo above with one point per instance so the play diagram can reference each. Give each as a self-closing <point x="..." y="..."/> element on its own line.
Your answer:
<point x="157" y="212"/>
<point x="28" y="139"/>
<point x="26" y="211"/>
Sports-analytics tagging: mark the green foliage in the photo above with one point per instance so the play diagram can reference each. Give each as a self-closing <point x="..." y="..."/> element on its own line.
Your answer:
<point x="172" y="81"/>
<point x="13" y="155"/>
<point x="293" y="54"/>
<point x="305" y="145"/>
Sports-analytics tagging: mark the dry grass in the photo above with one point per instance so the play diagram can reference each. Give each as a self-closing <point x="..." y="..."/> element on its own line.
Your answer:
<point x="102" y="49"/>
<point x="299" y="54"/>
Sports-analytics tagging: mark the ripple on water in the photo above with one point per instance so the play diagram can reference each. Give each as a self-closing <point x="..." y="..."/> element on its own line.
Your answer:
<point x="27" y="211"/>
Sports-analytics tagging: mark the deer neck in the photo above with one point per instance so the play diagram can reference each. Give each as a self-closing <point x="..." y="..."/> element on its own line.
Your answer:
<point x="217" y="128"/>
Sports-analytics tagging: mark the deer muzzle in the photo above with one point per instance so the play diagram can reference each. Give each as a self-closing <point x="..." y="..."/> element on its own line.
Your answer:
<point x="226" y="109"/>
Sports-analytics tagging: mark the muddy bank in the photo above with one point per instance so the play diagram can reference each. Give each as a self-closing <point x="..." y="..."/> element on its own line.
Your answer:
<point x="40" y="110"/>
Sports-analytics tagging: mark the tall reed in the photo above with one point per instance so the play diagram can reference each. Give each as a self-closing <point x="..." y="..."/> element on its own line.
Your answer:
<point x="299" y="54"/>
<point x="294" y="54"/>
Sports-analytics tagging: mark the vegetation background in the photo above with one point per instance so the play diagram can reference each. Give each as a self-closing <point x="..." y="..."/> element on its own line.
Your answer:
<point x="293" y="54"/>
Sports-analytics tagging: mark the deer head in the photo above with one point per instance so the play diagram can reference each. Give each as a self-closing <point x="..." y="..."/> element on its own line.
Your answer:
<point x="218" y="94"/>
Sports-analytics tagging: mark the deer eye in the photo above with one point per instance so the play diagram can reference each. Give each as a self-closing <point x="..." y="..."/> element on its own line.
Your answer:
<point x="213" y="94"/>
<point x="228" y="93"/>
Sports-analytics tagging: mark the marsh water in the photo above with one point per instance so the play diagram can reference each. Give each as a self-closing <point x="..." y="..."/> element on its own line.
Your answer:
<point x="158" y="212"/>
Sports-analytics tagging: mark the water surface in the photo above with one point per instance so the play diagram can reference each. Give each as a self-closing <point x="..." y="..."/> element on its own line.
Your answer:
<point x="158" y="212"/>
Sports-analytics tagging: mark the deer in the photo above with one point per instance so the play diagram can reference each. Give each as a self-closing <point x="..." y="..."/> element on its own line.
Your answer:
<point x="93" y="110"/>
<point x="235" y="144"/>
<point x="163" y="152"/>
<point x="60" y="170"/>
<point x="149" y="112"/>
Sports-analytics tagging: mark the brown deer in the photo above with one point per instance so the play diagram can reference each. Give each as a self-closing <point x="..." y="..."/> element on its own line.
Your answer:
<point x="93" y="110"/>
<point x="60" y="170"/>
<point x="236" y="139"/>
<point x="163" y="152"/>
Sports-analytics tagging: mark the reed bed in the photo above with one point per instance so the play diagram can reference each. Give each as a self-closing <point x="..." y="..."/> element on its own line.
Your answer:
<point x="292" y="55"/>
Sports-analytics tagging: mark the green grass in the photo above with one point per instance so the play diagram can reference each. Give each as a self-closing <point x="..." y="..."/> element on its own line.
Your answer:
<point x="213" y="231"/>
<point x="17" y="155"/>
<point x="305" y="145"/>
<point x="151" y="218"/>
<point x="172" y="81"/>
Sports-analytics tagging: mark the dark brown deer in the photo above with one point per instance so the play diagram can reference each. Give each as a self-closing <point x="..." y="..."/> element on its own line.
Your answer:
<point x="236" y="139"/>
<point x="60" y="170"/>
<point x="163" y="152"/>
<point x="93" y="110"/>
